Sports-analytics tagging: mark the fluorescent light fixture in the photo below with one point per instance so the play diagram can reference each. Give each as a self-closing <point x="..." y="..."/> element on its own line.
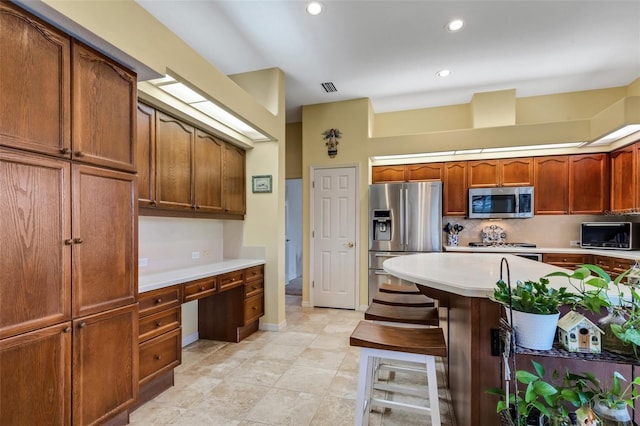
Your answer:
<point x="455" y="25"/>
<point x="468" y="151"/>
<point x="314" y="8"/>
<point x="617" y="134"/>
<point x="416" y="156"/>
<point x="534" y="147"/>
<point x="189" y="96"/>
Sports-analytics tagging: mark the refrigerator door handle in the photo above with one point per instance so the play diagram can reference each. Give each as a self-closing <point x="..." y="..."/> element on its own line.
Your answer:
<point x="387" y="255"/>
<point x="402" y="217"/>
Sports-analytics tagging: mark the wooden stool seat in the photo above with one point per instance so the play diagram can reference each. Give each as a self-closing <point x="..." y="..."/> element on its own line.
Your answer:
<point x="399" y="288"/>
<point x="402" y="314"/>
<point x="412" y="345"/>
<point x="401" y="299"/>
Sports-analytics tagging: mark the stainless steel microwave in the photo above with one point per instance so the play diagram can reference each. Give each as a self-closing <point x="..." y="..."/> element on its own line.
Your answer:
<point x="501" y="203"/>
<point x="610" y="235"/>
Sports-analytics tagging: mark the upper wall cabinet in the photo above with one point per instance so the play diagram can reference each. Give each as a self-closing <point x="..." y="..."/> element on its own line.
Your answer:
<point x="551" y="184"/>
<point x="455" y="189"/>
<point x="36" y="115"/>
<point x="388" y="174"/>
<point x="103" y="135"/>
<point x="506" y="172"/>
<point x="588" y="183"/>
<point x="625" y="186"/>
<point x="407" y="173"/>
<point x="186" y="170"/>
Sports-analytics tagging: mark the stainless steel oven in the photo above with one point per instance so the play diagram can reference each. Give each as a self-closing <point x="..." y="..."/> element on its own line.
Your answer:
<point x="532" y="256"/>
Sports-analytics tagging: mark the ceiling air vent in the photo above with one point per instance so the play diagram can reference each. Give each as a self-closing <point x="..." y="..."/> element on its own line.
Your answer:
<point x="329" y="87"/>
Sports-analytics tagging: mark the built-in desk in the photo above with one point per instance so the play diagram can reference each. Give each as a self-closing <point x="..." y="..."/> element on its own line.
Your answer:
<point x="230" y="297"/>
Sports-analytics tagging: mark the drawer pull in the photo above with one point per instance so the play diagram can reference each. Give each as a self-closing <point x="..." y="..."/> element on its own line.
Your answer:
<point x="253" y="308"/>
<point x="564" y="259"/>
<point x="82" y="324"/>
<point x="254" y="287"/>
<point x="65" y="150"/>
<point x="67" y="330"/>
<point x="154" y="203"/>
<point x="68" y="241"/>
<point x="157" y="357"/>
<point x="158" y="300"/>
<point x="201" y="288"/>
<point x="77" y="241"/>
<point x="79" y="154"/>
<point x="158" y="324"/>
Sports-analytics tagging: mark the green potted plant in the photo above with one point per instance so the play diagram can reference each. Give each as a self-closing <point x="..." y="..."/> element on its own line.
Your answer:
<point x="596" y="290"/>
<point x="534" y="309"/>
<point x="543" y="402"/>
<point x="611" y="403"/>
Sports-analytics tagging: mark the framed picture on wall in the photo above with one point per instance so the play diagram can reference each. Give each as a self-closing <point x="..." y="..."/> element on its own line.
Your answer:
<point x="261" y="183"/>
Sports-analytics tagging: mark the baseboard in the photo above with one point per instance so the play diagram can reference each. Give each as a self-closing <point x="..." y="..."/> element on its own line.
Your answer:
<point x="187" y="340"/>
<point x="272" y="326"/>
<point x="362" y="308"/>
<point x="306" y="304"/>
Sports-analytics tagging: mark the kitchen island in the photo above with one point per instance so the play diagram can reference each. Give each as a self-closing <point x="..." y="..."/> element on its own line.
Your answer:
<point x="462" y="283"/>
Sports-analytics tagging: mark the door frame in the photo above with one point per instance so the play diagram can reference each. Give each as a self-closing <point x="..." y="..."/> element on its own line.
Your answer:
<point x="312" y="171"/>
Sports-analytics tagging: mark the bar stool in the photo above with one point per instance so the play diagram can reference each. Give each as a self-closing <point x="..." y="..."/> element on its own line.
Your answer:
<point x="402" y="299"/>
<point x="399" y="288"/>
<point x="414" y="345"/>
<point x="402" y="315"/>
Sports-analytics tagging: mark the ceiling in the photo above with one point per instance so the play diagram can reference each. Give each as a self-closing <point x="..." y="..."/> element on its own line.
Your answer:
<point x="390" y="51"/>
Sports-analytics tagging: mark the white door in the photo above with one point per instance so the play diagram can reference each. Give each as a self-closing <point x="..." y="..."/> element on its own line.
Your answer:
<point x="334" y="238"/>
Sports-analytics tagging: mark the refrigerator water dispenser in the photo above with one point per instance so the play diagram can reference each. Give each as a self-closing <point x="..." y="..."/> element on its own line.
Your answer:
<point x="382" y="225"/>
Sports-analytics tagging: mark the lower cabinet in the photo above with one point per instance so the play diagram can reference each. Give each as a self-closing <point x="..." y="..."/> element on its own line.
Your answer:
<point x="614" y="266"/>
<point x="567" y="260"/>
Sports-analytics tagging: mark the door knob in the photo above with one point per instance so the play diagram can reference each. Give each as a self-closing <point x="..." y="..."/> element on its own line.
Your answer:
<point x="349" y="244"/>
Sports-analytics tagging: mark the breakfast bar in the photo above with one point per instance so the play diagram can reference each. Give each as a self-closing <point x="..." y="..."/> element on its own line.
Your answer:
<point x="462" y="283"/>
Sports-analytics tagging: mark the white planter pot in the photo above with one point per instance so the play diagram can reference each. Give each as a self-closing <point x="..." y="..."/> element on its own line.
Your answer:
<point x="535" y="331"/>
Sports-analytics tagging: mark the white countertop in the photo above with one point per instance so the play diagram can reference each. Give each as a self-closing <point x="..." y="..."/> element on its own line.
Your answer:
<point x="472" y="275"/>
<point x="158" y="280"/>
<point x="624" y="254"/>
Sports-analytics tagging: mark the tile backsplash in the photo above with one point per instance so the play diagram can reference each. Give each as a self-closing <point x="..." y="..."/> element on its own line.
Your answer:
<point x="555" y="231"/>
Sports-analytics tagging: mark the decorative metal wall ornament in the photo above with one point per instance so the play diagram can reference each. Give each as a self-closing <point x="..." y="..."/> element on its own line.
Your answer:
<point x="331" y="137"/>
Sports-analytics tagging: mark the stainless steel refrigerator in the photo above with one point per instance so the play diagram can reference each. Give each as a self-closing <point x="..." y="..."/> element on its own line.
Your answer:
<point x="404" y="218"/>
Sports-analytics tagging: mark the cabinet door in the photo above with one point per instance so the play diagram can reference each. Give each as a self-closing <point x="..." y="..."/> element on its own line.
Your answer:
<point x="387" y="174"/>
<point x="207" y="182"/>
<point x="566" y="260"/>
<point x="35" y="219"/>
<point x="234" y="180"/>
<point x="551" y="180"/>
<point x="146" y="155"/>
<point x="35" y="84"/>
<point x="483" y="173"/>
<point x="588" y="184"/>
<point x="516" y="172"/>
<point x="427" y="171"/>
<point x="455" y="189"/>
<point x="174" y="145"/>
<point x="104" y="110"/>
<point x="104" y="224"/>
<point x="105" y="364"/>
<point x="36" y="377"/>
<point x="623" y="175"/>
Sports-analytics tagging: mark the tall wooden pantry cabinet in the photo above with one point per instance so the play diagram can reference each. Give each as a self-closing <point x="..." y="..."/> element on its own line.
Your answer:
<point x="68" y="226"/>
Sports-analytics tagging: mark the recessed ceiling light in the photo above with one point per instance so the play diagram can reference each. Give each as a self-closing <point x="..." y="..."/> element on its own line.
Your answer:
<point x="443" y="73"/>
<point x="314" y="8"/>
<point x="455" y="25"/>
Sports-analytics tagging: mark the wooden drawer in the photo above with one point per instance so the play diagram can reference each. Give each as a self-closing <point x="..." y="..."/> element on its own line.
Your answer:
<point x="151" y="302"/>
<point x="154" y="325"/>
<point x="253" y="308"/>
<point x="566" y="260"/>
<point x="254" y="273"/>
<point x="603" y="262"/>
<point x="160" y="355"/>
<point x="253" y="287"/>
<point x="199" y="289"/>
<point x="231" y="280"/>
<point x="619" y="266"/>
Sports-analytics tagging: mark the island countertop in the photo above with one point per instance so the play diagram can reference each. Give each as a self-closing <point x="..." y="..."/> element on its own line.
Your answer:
<point x="469" y="275"/>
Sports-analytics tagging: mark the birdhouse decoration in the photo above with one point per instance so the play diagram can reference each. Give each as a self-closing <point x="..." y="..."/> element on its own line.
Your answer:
<point x="331" y="137"/>
<point x="577" y="334"/>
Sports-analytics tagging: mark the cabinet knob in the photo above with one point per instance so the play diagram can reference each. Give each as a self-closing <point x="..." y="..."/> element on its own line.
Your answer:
<point x="77" y="241"/>
<point x="253" y="287"/>
<point x="79" y="154"/>
<point x="253" y="308"/>
<point x="67" y="330"/>
<point x="202" y="288"/>
<point x="68" y="242"/>
<point x="564" y="259"/>
<point x="82" y="324"/>
<point x="158" y="300"/>
<point x="158" y="323"/>
<point x="65" y="150"/>
<point x="157" y="357"/>
<point x="154" y="203"/>
<point x="193" y="206"/>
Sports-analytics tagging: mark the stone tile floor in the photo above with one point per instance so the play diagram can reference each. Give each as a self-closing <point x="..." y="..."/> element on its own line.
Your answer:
<point x="306" y="374"/>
